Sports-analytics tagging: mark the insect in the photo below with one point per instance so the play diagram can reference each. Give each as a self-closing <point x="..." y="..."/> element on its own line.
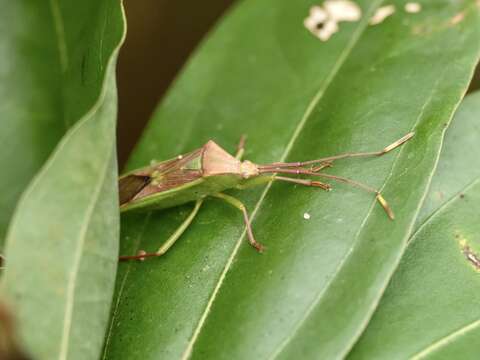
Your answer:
<point x="210" y="170"/>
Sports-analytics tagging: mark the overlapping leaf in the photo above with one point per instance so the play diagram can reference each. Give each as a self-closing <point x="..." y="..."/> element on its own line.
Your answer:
<point x="431" y="307"/>
<point x="62" y="242"/>
<point x="315" y="288"/>
<point x="52" y="68"/>
<point x="459" y="162"/>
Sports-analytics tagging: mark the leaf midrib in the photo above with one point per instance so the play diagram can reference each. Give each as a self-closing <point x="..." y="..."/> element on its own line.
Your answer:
<point x="122" y="286"/>
<point x="84" y="119"/>
<point x="465" y="328"/>
<point x="62" y="51"/>
<point x="60" y="33"/>
<point x="313" y="103"/>
<point x="442" y="207"/>
<point x="352" y="247"/>
<point x="445" y="340"/>
<point x="72" y="279"/>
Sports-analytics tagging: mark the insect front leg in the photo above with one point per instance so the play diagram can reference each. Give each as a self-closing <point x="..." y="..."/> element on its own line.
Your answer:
<point x="259" y="180"/>
<point x="240" y="206"/>
<point x="304" y="182"/>
<point x="171" y="240"/>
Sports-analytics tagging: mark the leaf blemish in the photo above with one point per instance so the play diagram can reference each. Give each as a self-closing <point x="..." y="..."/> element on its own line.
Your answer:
<point x="323" y="21"/>
<point x="381" y="14"/>
<point x="457" y="18"/>
<point x="472" y="257"/>
<point x="413" y="8"/>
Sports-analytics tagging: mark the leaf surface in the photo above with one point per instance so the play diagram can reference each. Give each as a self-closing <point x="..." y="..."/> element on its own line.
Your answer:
<point x="62" y="243"/>
<point x="431" y="308"/>
<point x="459" y="163"/>
<point x="52" y="68"/>
<point x="261" y="73"/>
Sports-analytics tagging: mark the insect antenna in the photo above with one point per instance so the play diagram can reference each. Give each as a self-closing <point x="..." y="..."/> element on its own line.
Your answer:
<point x="357" y="184"/>
<point x="329" y="159"/>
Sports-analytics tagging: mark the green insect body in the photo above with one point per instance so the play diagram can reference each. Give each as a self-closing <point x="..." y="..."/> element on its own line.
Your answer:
<point x="210" y="170"/>
<point x="187" y="178"/>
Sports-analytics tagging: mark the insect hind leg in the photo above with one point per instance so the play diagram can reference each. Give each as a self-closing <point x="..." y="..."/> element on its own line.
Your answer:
<point x="240" y="206"/>
<point x="171" y="240"/>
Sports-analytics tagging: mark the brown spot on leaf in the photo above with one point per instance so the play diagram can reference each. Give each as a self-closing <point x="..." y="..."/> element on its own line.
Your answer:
<point x="457" y="18"/>
<point x="471" y="256"/>
<point x="439" y="195"/>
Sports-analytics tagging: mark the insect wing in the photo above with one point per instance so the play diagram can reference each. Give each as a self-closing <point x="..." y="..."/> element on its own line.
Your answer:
<point x="130" y="185"/>
<point x="160" y="177"/>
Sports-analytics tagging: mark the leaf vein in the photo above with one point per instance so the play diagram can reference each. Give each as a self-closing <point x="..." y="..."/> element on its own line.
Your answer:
<point x="311" y="106"/>
<point x="72" y="278"/>
<point x="439" y="210"/>
<point x="60" y="32"/>
<point x="354" y="243"/>
<point x="445" y="340"/>
<point x="122" y="287"/>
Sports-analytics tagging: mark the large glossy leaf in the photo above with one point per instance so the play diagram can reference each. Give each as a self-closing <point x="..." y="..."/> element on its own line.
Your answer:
<point x="460" y="163"/>
<point x="62" y="242"/>
<point x="431" y="307"/>
<point x="52" y="68"/>
<point x="314" y="289"/>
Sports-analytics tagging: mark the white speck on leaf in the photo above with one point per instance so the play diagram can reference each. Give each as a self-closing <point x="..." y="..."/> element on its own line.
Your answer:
<point x="381" y="14"/>
<point x="413" y="7"/>
<point x="341" y="10"/>
<point x="306" y="216"/>
<point x="323" y="21"/>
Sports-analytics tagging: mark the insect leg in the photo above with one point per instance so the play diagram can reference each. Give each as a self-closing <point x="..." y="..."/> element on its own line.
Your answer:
<point x="357" y="184"/>
<point x="305" y="182"/>
<point x="267" y="178"/>
<point x="241" y="147"/>
<point x="322" y="166"/>
<point x="171" y="240"/>
<point x="381" y="200"/>
<point x="239" y="205"/>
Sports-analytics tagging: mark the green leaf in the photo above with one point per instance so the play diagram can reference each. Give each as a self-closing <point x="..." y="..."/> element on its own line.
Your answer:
<point x="261" y="73"/>
<point x="62" y="243"/>
<point x="430" y="309"/>
<point x="52" y="68"/>
<point x="460" y="162"/>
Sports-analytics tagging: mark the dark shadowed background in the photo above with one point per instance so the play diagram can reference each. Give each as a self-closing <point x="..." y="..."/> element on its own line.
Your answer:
<point x="161" y="35"/>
